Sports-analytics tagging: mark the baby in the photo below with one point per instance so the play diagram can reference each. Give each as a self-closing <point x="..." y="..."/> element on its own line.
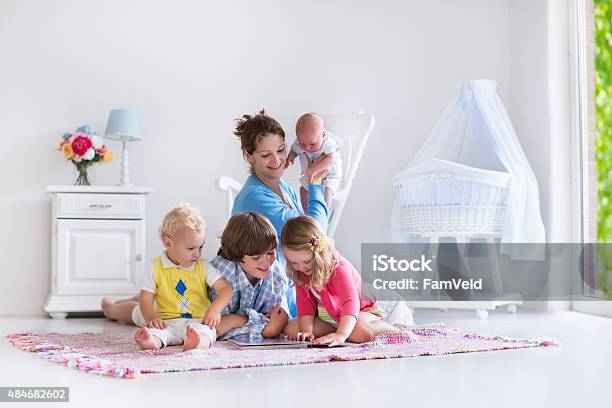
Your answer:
<point x="318" y="152"/>
<point x="173" y="306"/>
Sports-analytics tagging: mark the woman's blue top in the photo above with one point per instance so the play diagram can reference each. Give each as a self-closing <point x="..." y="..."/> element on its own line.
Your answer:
<point x="255" y="196"/>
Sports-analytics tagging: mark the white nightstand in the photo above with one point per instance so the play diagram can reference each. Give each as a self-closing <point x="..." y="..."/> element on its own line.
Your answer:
<point x="97" y="246"/>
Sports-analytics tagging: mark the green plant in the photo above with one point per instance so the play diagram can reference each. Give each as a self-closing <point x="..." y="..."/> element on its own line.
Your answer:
<point x="603" y="137"/>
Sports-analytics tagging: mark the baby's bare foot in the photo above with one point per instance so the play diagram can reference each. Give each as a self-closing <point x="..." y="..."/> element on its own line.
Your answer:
<point x="193" y="339"/>
<point x="145" y="340"/>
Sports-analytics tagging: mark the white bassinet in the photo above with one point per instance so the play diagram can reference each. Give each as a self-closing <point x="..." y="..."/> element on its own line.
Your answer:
<point x="470" y="181"/>
<point x="471" y="176"/>
<point x="440" y="197"/>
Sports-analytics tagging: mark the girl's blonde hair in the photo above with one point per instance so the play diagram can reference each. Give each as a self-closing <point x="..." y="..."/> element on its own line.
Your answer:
<point x="183" y="216"/>
<point x="303" y="234"/>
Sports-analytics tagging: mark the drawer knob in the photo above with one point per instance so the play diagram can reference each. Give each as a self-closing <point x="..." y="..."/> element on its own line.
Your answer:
<point x="100" y="205"/>
<point x="139" y="258"/>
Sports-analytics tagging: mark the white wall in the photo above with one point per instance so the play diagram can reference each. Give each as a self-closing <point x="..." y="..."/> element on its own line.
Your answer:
<point x="190" y="67"/>
<point x="540" y="102"/>
<point x="540" y="111"/>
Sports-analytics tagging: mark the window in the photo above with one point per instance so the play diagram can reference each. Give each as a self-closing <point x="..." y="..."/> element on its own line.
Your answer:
<point x="592" y="95"/>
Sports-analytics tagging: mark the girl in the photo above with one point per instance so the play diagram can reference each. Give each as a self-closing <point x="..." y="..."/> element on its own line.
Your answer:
<point x="330" y="305"/>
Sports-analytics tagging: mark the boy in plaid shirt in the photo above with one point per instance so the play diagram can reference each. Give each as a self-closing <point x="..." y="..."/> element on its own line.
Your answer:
<point x="247" y="260"/>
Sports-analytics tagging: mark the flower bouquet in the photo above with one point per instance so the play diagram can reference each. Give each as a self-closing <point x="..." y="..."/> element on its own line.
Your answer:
<point x="84" y="148"/>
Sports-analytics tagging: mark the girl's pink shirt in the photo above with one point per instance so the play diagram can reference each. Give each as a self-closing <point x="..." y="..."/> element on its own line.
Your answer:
<point x="340" y="296"/>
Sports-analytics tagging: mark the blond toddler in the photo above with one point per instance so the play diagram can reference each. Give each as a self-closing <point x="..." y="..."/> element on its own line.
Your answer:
<point x="173" y="307"/>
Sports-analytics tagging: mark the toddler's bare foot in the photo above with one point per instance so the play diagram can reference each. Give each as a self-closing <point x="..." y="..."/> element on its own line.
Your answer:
<point x="147" y="341"/>
<point x="401" y="326"/>
<point x="106" y="304"/>
<point x="193" y="339"/>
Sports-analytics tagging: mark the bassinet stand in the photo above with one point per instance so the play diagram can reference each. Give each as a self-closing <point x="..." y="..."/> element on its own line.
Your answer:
<point x="482" y="306"/>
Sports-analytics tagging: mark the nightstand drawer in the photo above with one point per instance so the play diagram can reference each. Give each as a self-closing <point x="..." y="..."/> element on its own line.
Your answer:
<point x="112" y="206"/>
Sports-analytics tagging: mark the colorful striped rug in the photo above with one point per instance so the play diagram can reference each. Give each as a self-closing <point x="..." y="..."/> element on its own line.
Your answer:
<point x="120" y="357"/>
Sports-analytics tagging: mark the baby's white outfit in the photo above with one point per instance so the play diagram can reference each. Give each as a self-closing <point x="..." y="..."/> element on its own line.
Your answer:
<point x="330" y="144"/>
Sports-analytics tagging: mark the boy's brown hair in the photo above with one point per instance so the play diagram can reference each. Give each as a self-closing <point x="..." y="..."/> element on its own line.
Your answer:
<point x="247" y="233"/>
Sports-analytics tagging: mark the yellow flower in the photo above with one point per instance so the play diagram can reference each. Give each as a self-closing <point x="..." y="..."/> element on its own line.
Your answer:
<point x="67" y="150"/>
<point x="108" y="157"/>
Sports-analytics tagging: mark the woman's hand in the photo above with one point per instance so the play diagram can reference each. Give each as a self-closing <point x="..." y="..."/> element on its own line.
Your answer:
<point x="314" y="176"/>
<point x="303" y="336"/>
<point x="156" y="323"/>
<point x="317" y="178"/>
<point x="332" y="339"/>
<point x="315" y="173"/>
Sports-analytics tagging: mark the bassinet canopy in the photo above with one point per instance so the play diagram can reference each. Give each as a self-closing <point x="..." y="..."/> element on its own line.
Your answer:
<point x="475" y="147"/>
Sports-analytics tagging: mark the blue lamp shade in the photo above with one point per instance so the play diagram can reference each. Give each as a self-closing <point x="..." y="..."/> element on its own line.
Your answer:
<point x="123" y="125"/>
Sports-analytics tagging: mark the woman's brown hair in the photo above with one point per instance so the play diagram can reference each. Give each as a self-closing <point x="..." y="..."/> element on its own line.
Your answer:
<point x="303" y="233"/>
<point x="251" y="129"/>
<point x="247" y="233"/>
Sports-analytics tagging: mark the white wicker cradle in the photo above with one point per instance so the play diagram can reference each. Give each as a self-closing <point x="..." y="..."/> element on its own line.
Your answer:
<point x="444" y="198"/>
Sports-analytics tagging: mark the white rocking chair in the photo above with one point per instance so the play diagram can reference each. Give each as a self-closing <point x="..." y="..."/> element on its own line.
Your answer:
<point x="354" y="129"/>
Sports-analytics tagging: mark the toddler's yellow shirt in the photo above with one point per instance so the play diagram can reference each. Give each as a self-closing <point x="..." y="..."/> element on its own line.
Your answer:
<point x="180" y="292"/>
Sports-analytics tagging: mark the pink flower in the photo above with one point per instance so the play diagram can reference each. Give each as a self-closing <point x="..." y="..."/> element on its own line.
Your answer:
<point x="80" y="145"/>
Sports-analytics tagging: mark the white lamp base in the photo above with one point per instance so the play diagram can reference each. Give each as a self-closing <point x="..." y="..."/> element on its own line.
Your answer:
<point x="125" y="168"/>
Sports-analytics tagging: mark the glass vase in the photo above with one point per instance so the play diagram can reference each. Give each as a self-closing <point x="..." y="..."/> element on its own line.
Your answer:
<point x="82" y="179"/>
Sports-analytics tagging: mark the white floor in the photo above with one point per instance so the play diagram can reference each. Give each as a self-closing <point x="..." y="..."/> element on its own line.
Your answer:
<point x="577" y="374"/>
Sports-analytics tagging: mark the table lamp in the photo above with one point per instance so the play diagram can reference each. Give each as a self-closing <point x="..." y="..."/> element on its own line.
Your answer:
<point x="123" y="125"/>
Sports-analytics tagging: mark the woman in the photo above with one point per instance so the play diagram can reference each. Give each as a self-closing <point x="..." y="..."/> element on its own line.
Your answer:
<point x="262" y="140"/>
